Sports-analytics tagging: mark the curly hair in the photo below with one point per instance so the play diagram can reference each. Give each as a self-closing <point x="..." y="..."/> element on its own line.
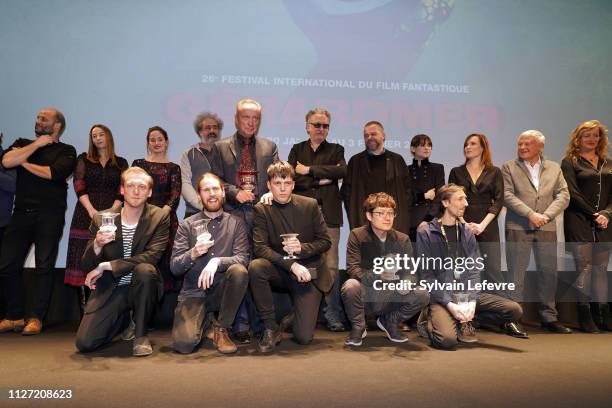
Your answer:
<point x="573" y="149"/>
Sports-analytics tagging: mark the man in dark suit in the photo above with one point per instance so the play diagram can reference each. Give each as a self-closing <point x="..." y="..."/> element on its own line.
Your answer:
<point x="234" y="159"/>
<point x="306" y="278"/>
<point x="123" y="274"/>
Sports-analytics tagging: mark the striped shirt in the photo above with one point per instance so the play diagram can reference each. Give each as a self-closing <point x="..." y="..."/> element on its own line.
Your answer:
<point x="127" y="233"/>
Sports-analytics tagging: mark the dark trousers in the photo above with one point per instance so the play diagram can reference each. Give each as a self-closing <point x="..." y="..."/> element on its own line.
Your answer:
<point x="98" y="328"/>
<point x="519" y="245"/>
<point x="43" y="228"/>
<point x="264" y="278"/>
<point x="490" y="309"/>
<point x="361" y="300"/>
<point x="225" y="297"/>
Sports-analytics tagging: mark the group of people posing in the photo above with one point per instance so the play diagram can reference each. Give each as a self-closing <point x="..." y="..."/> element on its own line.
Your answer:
<point x="255" y="225"/>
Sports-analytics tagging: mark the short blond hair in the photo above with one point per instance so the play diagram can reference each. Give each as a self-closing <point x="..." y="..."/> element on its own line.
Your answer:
<point x="136" y="171"/>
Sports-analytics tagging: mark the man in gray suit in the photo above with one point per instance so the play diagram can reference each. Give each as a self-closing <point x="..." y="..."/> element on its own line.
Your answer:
<point x="240" y="154"/>
<point x="535" y="192"/>
<point x="235" y="159"/>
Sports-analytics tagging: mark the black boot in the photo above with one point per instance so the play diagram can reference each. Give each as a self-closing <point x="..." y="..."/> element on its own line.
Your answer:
<point x="601" y="316"/>
<point x="586" y="320"/>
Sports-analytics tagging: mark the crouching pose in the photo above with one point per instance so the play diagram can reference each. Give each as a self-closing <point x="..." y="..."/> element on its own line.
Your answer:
<point x="454" y="267"/>
<point x="364" y="292"/>
<point x="122" y="263"/>
<point x="211" y="251"/>
<point x="289" y="238"/>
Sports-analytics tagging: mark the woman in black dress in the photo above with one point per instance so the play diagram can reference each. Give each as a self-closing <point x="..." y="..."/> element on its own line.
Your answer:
<point x="588" y="173"/>
<point x="96" y="183"/>
<point x="166" y="191"/>
<point x="425" y="178"/>
<point x="484" y="187"/>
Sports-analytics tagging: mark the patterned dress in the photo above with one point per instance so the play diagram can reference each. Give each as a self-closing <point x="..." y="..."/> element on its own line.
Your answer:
<point x="101" y="184"/>
<point x="166" y="191"/>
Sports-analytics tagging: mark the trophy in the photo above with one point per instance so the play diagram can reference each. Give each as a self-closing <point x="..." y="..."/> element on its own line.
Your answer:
<point x="201" y="231"/>
<point x="463" y="301"/>
<point x="248" y="179"/>
<point x="285" y="238"/>
<point x="108" y="222"/>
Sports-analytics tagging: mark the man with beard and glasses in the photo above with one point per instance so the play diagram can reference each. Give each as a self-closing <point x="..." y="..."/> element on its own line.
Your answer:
<point x="376" y="170"/>
<point x="214" y="271"/>
<point x="196" y="160"/>
<point x="43" y="165"/>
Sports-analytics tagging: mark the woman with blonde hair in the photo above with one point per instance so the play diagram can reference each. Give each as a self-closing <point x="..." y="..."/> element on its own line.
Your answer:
<point x="588" y="172"/>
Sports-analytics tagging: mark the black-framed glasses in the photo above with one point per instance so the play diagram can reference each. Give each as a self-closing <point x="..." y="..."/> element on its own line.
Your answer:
<point x="383" y="214"/>
<point x="320" y="125"/>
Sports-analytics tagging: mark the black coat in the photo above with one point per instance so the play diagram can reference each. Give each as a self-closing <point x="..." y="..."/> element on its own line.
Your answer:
<point x="422" y="179"/>
<point x="354" y="189"/>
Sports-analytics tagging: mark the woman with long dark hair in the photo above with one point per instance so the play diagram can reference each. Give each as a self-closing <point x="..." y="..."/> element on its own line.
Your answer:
<point x="166" y="191"/>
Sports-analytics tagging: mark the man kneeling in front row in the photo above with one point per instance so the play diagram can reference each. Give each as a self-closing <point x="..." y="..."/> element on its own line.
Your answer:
<point x="302" y="274"/>
<point x="448" y="319"/>
<point x="367" y="246"/>
<point x="211" y="251"/>
<point x="123" y="275"/>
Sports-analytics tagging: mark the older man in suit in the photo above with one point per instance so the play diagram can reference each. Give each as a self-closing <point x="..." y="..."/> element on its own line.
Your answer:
<point x="535" y="192"/>
<point x="241" y="161"/>
<point x="122" y="263"/>
<point x="242" y="156"/>
<point x="304" y="276"/>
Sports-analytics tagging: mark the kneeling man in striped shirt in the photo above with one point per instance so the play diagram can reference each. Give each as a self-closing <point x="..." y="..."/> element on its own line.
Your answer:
<point x="122" y="262"/>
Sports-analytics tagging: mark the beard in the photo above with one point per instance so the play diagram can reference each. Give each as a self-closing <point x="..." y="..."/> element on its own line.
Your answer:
<point x="42" y="130"/>
<point x="373" y="145"/>
<point x="214" y="207"/>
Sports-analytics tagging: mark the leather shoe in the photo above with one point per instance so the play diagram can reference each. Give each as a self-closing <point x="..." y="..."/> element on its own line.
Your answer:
<point x="130" y="332"/>
<point x="556" y="327"/>
<point x="269" y="340"/>
<point x="11" y="325"/>
<point x="33" y="327"/>
<point x="467" y="333"/>
<point x="513" y="329"/>
<point x="142" y="347"/>
<point x="222" y="341"/>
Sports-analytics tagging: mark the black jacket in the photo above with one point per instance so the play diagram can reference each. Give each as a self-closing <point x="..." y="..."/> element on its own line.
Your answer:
<point x="327" y="162"/>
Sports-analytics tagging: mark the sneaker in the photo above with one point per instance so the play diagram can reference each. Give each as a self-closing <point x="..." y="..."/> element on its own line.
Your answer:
<point x="392" y="330"/>
<point x="467" y="333"/>
<point x="142" y="347"/>
<point x="130" y="332"/>
<point x="11" y="325"/>
<point x="355" y="337"/>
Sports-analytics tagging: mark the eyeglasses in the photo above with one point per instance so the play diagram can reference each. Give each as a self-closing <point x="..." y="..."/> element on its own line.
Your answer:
<point x="384" y="214"/>
<point x="320" y="125"/>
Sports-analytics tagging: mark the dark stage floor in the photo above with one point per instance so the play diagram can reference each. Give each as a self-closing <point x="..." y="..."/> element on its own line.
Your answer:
<point x="548" y="370"/>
